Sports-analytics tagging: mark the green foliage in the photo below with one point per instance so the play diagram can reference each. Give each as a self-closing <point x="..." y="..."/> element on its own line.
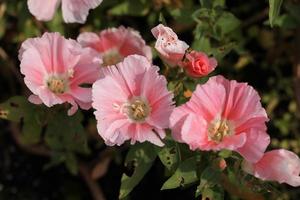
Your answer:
<point x="215" y="30"/>
<point x="66" y="133"/>
<point x="209" y="184"/>
<point x="169" y="155"/>
<point x="274" y="10"/>
<point x="185" y="174"/>
<point x="138" y="161"/>
<point x="66" y="136"/>
<point x="131" y="7"/>
<point x="18" y="108"/>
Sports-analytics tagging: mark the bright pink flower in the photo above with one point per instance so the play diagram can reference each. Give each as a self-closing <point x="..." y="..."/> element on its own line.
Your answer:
<point x="222" y="114"/>
<point x="55" y="68"/>
<point x="197" y="64"/>
<point x="114" y="44"/>
<point x="72" y="10"/>
<point x="132" y="102"/>
<point x="277" y="165"/>
<point x="168" y="45"/>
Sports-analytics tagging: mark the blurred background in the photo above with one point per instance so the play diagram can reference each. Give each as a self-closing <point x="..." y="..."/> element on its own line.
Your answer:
<point x="238" y="33"/>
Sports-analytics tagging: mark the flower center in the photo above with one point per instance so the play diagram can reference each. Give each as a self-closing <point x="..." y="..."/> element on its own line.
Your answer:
<point x="111" y="57"/>
<point x="138" y="109"/>
<point x="219" y="129"/>
<point x="57" y="84"/>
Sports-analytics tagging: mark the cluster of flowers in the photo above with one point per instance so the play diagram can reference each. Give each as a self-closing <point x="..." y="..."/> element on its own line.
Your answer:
<point x="113" y="72"/>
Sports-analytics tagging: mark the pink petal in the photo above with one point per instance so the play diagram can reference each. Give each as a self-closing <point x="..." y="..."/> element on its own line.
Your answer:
<point x="89" y="39"/>
<point x="78" y="10"/>
<point x="133" y="71"/>
<point x="277" y="165"/>
<point x="43" y="10"/>
<point x="255" y="146"/>
<point x="208" y="100"/>
<point x="34" y="99"/>
<point x="193" y="131"/>
<point x="49" y="98"/>
<point x="82" y="94"/>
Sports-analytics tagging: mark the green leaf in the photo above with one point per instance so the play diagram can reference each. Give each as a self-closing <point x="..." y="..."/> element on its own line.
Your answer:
<point x="169" y="155"/>
<point x="68" y="158"/>
<point x="71" y="163"/>
<point x="56" y="24"/>
<point x="183" y="14"/>
<point x="214" y="193"/>
<point x="210" y="177"/>
<point x="227" y="22"/>
<point x="185" y="174"/>
<point x="66" y="133"/>
<point x="209" y="184"/>
<point x="162" y="19"/>
<point x="222" y="51"/>
<point x="286" y="21"/>
<point x="274" y="10"/>
<point x="203" y="44"/>
<point x="66" y="136"/>
<point x="139" y="159"/>
<point x="130" y="7"/>
<point x="225" y="153"/>
<point x="31" y="132"/>
<point x="17" y="108"/>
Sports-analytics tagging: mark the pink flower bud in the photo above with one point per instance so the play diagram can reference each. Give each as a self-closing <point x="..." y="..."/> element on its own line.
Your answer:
<point x="197" y="64"/>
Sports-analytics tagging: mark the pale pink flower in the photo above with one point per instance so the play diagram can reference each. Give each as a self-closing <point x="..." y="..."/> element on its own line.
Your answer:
<point x="132" y="102"/>
<point x="72" y="10"/>
<point x="222" y="114"/>
<point x="168" y="45"/>
<point x="55" y="70"/>
<point x="198" y="64"/>
<point x="114" y="44"/>
<point x="278" y="165"/>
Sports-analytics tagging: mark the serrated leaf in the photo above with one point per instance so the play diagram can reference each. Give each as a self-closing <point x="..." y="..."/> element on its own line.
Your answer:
<point x="274" y="10"/>
<point x="227" y="23"/>
<point x="185" y="174"/>
<point x="140" y="158"/>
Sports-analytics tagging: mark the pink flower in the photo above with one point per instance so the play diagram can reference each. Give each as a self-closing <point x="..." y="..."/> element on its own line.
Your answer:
<point x="168" y="45"/>
<point x="132" y="102"/>
<point x="114" y="44"/>
<point x="277" y="165"/>
<point x="55" y="68"/>
<point x="197" y="64"/>
<point x="222" y="114"/>
<point x="72" y="10"/>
